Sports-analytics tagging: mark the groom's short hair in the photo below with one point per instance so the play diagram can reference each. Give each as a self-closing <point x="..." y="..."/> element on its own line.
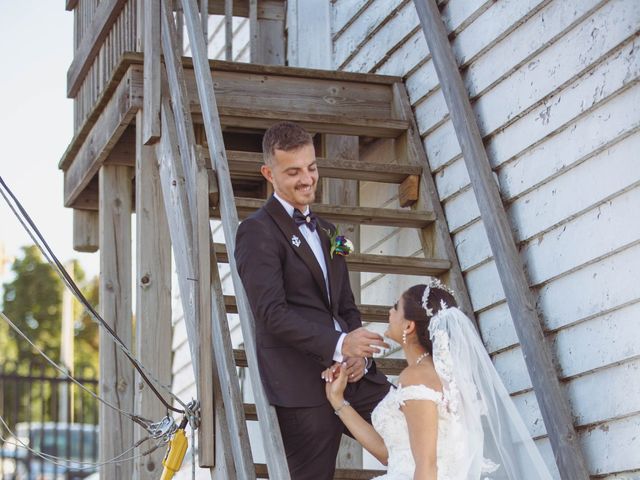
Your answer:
<point x="287" y="136"/>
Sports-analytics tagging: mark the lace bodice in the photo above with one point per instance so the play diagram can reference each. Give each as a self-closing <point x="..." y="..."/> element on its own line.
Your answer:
<point x="391" y="424"/>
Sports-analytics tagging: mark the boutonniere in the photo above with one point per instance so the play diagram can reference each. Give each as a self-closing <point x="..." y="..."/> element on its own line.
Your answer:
<point x="339" y="243"/>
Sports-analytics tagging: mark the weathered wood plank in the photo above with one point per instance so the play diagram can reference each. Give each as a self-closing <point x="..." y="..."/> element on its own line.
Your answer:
<point x="370" y="313"/>
<point x="104" y="134"/>
<point x="228" y="30"/>
<point x="340" y="473"/>
<point x="272" y="439"/>
<point x="197" y="191"/>
<point x="553" y="404"/>
<point x="352" y="215"/>
<point x="359" y="262"/>
<point x="267" y="9"/>
<point x="101" y="24"/>
<point x="250" y="163"/>
<point x="153" y="294"/>
<point x="116" y="372"/>
<point x="389" y="366"/>
<point x="86" y="230"/>
<point x="152" y="89"/>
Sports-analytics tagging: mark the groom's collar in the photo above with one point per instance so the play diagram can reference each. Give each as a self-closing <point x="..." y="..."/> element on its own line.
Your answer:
<point x="287" y="206"/>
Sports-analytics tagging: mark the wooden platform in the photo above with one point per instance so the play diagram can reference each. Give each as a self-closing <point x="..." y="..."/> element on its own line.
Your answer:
<point x="322" y="101"/>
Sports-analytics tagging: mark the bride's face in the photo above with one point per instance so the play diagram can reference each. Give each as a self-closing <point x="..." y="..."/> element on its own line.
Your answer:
<point x="396" y="322"/>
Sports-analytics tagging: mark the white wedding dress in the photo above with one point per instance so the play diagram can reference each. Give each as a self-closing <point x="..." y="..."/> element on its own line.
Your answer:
<point x="391" y="424"/>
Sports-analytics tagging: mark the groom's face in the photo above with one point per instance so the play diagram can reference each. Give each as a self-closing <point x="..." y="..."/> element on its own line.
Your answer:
<point x="294" y="175"/>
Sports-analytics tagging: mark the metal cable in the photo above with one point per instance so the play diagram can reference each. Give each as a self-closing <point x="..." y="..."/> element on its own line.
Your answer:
<point x="143" y="422"/>
<point x="41" y="243"/>
<point x="64" y="462"/>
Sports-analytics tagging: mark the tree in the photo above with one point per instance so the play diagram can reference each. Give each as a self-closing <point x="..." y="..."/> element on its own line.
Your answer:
<point x="33" y="301"/>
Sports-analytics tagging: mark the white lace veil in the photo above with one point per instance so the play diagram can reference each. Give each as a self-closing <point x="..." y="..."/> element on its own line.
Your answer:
<point x="498" y="445"/>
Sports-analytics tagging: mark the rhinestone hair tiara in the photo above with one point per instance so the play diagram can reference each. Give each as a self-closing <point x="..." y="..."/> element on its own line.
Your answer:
<point x="434" y="282"/>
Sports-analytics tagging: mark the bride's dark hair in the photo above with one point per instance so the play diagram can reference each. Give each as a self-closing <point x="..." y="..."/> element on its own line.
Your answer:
<point x="413" y="309"/>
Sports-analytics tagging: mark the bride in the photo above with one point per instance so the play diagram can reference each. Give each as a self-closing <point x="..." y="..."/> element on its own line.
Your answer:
<point x="450" y="418"/>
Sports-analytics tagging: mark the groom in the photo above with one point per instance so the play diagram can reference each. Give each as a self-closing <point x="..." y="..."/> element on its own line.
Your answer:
<point x="305" y="315"/>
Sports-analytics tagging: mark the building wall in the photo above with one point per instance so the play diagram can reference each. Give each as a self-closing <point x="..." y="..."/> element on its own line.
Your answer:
<point x="554" y="86"/>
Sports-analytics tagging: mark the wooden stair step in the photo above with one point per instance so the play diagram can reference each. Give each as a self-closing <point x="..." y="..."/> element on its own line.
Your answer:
<point x="370" y="313"/>
<point x="341" y="473"/>
<point x="353" y="215"/>
<point x="360" y="262"/>
<point x="249" y="163"/>
<point x="388" y="366"/>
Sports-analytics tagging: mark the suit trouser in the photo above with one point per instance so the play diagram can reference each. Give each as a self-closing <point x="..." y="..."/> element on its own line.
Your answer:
<point x="312" y="435"/>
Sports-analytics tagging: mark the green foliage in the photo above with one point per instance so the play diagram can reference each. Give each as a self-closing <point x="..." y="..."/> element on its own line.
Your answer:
<point x="33" y="301"/>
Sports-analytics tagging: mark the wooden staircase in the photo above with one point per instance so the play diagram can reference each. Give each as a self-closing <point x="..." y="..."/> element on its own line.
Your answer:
<point x="208" y="153"/>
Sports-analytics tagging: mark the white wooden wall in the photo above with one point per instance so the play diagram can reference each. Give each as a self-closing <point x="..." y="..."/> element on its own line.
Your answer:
<point x="554" y="85"/>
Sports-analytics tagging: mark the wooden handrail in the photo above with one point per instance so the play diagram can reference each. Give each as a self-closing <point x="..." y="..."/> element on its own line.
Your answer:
<point x="272" y="439"/>
<point x="85" y="54"/>
<point x="551" y="399"/>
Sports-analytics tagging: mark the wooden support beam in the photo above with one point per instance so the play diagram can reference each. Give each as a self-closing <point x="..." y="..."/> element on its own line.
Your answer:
<point x="267" y="9"/>
<point x="272" y="440"/>
<point x="409" y="191"/>
<point x="363" y="262"/>
<point x="70" y="5"/>
<point x="116" y="372"/>
<point x="370" y="313"/>
<point x="345" y="192"/>
<point x="103" y="20"/>
<point x="228" y="30"/>
<point x="151" y="47"/>
<point x="351" y="215"/>
<point x="86" y="230"/>
<point x="389" y="366"/>
<point x="551" y="399"/>
<point x="104" y="135"/>
<point x="212" y="317"/>
<point x="386" y="172"/>
<point x="153" y="295"/>
<point x="254" y="31"/>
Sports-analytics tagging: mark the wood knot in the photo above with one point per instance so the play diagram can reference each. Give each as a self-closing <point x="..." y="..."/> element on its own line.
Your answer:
<point x="145" y="280"/>
<point x="122" y="385"/>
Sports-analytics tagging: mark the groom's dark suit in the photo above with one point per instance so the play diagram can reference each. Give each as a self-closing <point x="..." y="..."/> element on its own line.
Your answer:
<point x="295" y="332"/>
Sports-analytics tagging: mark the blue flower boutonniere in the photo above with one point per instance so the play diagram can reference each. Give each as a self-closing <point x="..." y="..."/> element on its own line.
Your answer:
<point x="339" y="243"/>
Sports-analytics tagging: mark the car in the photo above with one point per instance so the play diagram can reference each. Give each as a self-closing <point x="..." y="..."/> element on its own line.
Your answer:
<point x="72" y="443"/>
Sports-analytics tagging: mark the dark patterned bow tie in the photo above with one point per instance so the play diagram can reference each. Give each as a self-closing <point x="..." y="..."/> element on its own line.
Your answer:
<point x="311" y="221"/>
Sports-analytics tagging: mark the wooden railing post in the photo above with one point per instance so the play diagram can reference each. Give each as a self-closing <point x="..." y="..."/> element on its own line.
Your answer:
<point x="272" y="439"/>
<point x="553" y="404"/>
<point x="116" y="373"/>
<point x="178" y="134"/>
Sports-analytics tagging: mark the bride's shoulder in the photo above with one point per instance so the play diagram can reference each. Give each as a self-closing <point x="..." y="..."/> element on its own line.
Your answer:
<point x="415" y="376"/>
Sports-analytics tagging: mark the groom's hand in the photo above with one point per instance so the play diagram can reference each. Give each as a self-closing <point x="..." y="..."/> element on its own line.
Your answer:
<point x="355" y="368"/>
<point x="362" y="343"/>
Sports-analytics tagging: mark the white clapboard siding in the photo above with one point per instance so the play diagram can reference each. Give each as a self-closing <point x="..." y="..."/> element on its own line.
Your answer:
<point x="554" y="69"/>
<point x="554" y="85"/>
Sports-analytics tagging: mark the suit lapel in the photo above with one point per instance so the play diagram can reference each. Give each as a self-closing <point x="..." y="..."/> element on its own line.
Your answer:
<point x="325" y="241"/>
<point x="297" y="242"/>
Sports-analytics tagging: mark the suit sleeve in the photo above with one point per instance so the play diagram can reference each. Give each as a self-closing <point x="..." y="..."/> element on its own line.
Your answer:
<point x="258" y="259"/>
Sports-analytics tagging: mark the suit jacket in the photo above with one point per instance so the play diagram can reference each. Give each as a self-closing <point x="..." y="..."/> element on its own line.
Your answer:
<point x="295" y="334"/>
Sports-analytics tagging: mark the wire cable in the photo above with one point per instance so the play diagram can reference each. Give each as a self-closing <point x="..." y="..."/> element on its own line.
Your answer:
<point x="143" y="422"/>
<point x="64" y="462"/>
<point x="24" y="219"/>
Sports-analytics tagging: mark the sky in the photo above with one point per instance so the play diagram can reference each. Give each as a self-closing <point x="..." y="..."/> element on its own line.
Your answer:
<point x="36" y="124"/>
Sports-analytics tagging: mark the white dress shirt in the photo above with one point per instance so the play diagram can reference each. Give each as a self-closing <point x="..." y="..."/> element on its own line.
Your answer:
<point x="313" y="239"/>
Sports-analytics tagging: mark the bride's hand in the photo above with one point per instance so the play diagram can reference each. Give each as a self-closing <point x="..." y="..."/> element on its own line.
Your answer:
<point x="336" y="381"/>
